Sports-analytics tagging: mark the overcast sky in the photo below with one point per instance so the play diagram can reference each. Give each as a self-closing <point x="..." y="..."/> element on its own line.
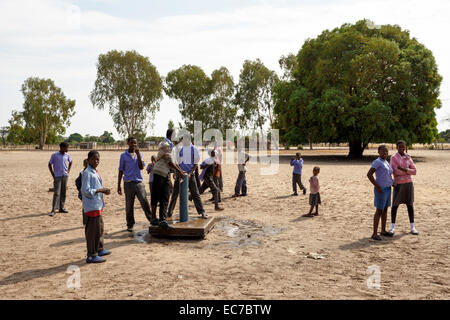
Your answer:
<point x="61" y="40"/>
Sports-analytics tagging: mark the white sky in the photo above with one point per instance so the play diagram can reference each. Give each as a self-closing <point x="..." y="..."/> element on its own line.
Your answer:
<point x="61" y="40"/>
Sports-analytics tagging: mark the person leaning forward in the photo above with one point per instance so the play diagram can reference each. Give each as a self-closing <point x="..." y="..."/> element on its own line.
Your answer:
<point x="130" y="166"/>
<point x="161" y="184"/>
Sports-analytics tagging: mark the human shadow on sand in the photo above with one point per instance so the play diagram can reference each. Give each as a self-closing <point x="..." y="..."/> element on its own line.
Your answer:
<point x="28" y="275"/>
<point x="339" y="159"/>
<point x="50" y="233"/>
<point x="33" y="215"/>
<point x="367" y="242"/>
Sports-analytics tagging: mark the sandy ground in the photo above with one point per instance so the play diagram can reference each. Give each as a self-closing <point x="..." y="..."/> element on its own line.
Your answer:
<point x="257" y="249"/>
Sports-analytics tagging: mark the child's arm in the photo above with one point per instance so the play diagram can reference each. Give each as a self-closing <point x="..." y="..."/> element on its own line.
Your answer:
<point x="51" y="169"/>
<point x="372" y="179"/>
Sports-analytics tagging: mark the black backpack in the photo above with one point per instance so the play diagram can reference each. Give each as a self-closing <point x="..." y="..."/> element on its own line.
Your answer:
<point x="78" y="185"/>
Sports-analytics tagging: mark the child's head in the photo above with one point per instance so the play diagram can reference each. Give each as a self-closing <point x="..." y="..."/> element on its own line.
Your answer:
<point x="63" y="147"/>
<point x="383" y="151"/>
<point x="85" y="163"/>
<point x="298" y="155"/>
<point x="213" y="153"/>
<point x="153" y="159"/>
<point x="316" y="171"/>
<point x="93" y="158"/>
<point x="132" y="142"/>
<point x="401" y="146"/>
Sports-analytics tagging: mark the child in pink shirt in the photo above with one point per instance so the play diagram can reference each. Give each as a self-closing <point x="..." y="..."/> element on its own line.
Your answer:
<point x="404" y="168"/>
<point x="314" y="195"/>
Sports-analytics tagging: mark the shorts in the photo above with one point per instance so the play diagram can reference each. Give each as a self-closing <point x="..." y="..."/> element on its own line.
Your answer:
<point x="382" y="199"/>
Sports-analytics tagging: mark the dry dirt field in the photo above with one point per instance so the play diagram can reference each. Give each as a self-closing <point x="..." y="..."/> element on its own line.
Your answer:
<point x="257" y="250"/>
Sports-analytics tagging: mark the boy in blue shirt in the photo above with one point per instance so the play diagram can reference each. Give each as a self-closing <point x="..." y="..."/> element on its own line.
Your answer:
<point x="297" y="163"/>
<point x="59" y="165"/>
<point x="92" y="196"/>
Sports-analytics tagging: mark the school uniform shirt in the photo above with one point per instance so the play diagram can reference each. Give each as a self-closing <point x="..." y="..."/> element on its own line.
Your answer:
<point x="314" y="186"/>
<point x="150" y="167"/>
<point x="130" y="167"/>
<point x="401" y="177"/>
<point x="298" y="165"/>
<point x="383" y="173"/>
<point x="241" y="166"/>
<point x="93" y="203"/>
<point x="163" y="158"/>
<point x="208" y="170"/>
<point x="187" y="157"/>
<point x="60" y="164"/>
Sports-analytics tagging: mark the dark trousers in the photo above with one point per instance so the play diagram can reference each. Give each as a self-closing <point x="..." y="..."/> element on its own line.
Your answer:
<point x="133" y="190"/>
<point x="84" y="217"/>
<point x="208" y="182"/>
<point x="193" y="189"/>
<point x="297" y="180"/>
<point x="241" y="184"/>
<point x="161" y="194"/>
<point x="59" y="194"/>
<point x="93" y="231"/>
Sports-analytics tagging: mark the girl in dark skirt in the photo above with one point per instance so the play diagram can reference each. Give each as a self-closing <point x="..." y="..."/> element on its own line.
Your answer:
<point x="314" y="196"/>
<point x="403" y="167"/>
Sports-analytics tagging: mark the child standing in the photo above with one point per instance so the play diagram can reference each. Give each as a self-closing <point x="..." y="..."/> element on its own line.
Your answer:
<point x="314" y="195"/>
<point x="150" y="172"/>
<point x="209" y="167"/>
<point x="92" y="193"/>
<point x="382" y="190"/>
<point x="240" y="190"/>
<point x="59" y="165"/>
<point x="297" y="163"/>
<point x="403" y="167"/>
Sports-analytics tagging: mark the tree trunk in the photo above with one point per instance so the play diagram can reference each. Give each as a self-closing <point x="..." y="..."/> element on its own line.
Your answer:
<point x="356" y="149"/>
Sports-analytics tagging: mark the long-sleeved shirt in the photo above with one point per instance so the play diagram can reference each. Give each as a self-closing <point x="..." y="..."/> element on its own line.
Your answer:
<point x="93" y="203"/>
<point x="163" y="158"/>
<point x="400" y="176"/>
<point x="298" y="165"/>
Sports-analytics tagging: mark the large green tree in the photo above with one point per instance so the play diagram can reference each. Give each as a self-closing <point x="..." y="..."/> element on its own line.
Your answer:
<point x="254" y="95"/>
<point x="191" y="86"/>
<point x="46" y="112"/>
<point x="360" y="84"/>
<point x="131" y="87"/>
<point x="4" y="134"/>
<point x="222" y="111"/>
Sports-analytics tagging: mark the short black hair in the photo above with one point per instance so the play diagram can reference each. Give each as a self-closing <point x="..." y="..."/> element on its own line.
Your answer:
<point x="131" y="138"/>
<point x="169" y="133"/>
<point x="64" y="145"/>
<point x="400" y="142"/>
<point x="93" y="153"/>
<point x="382" y="146"/>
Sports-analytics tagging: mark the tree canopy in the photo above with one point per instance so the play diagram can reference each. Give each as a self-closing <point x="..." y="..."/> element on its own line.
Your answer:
<point x="360" y="84"/>
<point x="131" y="87"/>
<point x="46" y="113"/>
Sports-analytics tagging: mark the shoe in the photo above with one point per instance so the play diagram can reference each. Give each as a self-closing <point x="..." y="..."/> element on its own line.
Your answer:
<point x="295" y="194"/>
<point x="243" y="195"/>
<point x="204" y="215"/>
<point x="63" y="211"/>
<point x="130" y="229"/>
<point x="190" y="198"/>
<point x="414" y="231"/>
<point x="104" y="252"/>
<point x="377" y="238"/>
<point x="165" y="225"/>
<point x="51" y="214"/>
<point x="386" y="234"/>
<point x="219" y="209"/>
<point x="235" y="195"/>
<point x="304" y="191"/>
<point x="95" y="259"/>
<point x="391" y="232"/>
<point x="155" y="222"/>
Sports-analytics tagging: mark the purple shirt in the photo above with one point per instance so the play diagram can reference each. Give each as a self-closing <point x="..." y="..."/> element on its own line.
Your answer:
<point x="383" y="173"/>
<point x="60" y="164"/>
<point x="298" y="165"/>
<point x="130" y="167"/>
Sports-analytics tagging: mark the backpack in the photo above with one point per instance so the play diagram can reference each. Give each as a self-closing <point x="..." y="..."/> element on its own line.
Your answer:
<point x="78" y="185"/>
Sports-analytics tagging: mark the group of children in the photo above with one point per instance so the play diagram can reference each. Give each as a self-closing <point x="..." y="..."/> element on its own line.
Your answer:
<point x="185" y="166"/>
